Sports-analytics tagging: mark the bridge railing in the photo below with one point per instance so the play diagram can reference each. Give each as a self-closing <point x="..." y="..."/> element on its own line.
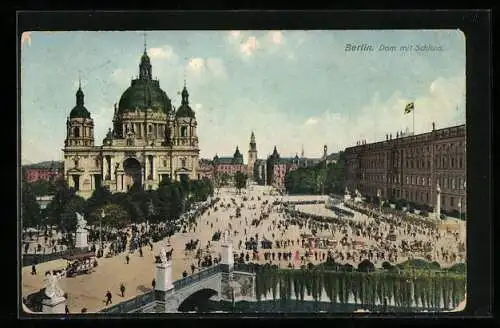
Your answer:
<point x="132" y="304"/>
<point x="244" y="267"/>
<point x="196" y="277"/>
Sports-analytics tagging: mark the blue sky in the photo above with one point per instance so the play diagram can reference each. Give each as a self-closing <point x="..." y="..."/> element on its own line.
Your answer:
<point x="292" y="88"/>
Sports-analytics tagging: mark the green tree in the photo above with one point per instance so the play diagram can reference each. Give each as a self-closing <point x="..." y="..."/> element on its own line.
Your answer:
<point x="115" y="216"/>
<point x="41" y="188"/>
<point x="67" y="219"/>
<point x="100" y="197"/>
<point x="240" y="180"/>
<point x="30" y="209"/>
<point x="56" y="207"/>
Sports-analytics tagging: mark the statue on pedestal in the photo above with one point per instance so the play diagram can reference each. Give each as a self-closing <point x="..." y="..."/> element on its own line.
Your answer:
<point x="163" y="255"/>
<point x="438" y="189"/>
<point x="81" y="223"/>
<point x="226" y="236"/>
<point x="52" y="288"/>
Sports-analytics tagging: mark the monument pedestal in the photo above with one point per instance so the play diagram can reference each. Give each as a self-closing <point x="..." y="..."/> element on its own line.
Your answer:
<point x="81" y="239"/>
<point x="54" y="305"/>
<point x="164" y="277"/>
<point x="227" y="257"/>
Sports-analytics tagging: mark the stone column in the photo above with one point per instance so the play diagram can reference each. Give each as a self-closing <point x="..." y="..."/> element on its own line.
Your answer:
<point x="227" y="257"/>
<point x="142" y="176"/>
<point x="164" y="277"/>
<point x="438" y="202"/>
<point x="54" y="305"/>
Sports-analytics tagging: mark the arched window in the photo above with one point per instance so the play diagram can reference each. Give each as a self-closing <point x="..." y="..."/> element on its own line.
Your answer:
<point x="150" y="128"/>
<point x="183" y="131"/>
<point x="183" y="162"/>
<point x="77" y="132"/>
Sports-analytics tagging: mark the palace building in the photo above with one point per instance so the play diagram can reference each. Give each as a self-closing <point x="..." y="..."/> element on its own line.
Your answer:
<point x="149" y="140"/>
<point x="411" y="167"/>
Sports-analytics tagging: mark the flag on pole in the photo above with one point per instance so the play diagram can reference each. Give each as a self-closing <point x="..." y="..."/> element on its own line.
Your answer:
<point x="409" y="108"/>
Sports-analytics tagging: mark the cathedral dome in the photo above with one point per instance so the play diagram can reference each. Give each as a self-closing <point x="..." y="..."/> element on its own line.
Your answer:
<point x="144" y="92"/>
<point x="79" y="111"/>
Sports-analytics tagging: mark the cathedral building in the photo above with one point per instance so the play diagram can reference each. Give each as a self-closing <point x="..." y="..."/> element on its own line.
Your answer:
<point x="149" y="141"/>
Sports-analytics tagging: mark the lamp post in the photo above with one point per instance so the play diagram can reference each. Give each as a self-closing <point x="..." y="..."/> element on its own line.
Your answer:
<point x="460" y="208"/>
<point x="103" y="215"/>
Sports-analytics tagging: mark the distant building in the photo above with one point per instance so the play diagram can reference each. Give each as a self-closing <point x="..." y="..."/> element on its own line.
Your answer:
<point x="411" y="166"/>
<point x="229" y="165"/>
<point x="205" y="169"/>
<point x="47" y="174"/>
<point x="277" y="168"/>
<point x="252" y="156"/>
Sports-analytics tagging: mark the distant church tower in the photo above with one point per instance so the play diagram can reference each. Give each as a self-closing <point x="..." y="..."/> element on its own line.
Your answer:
<point x="252" y="155"/>
<point x="325" y="152"/>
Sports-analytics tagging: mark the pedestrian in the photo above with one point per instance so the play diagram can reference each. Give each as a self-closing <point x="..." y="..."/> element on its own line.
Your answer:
<point x="33" y="269"/>
<point x="108" y="298"/>
<point x="184" y="274"/>
<point x="153" y="283"/>
<point x="127" y="258"/>
<point x="66" y="309"/>
<point x="84" y="310"/>
<point x="192" y="268"/>
<point x="122" y="289"/>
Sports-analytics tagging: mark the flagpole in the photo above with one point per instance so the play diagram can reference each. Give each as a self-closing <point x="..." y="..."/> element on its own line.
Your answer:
<point x="413" y="119"/>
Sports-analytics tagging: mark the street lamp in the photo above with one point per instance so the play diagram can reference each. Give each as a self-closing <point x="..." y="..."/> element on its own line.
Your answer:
<point x="103" y="215"/>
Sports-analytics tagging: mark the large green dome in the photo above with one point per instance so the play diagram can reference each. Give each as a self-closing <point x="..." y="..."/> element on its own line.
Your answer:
<point x="144" y="92"/>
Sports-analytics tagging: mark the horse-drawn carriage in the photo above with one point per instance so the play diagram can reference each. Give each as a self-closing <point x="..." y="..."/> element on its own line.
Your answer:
<point x="80" y="263"/>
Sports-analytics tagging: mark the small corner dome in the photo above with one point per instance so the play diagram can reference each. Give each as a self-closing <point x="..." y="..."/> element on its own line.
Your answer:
<point x="184" y="109"/>
<point x="79" y="111"/>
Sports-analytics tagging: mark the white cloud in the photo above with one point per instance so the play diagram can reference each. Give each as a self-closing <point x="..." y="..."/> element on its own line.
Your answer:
<point x="165" y="52"/>
<point x="311" y="121"/>
<point x="26" y="38"/>
<point x="276" y="37"/>
<point x="274" y="126"/>
<point x="196" y="64"/>
<point x="203" y="70"/>
<point x="249" y="46"/>
<point x="234" y="36"/>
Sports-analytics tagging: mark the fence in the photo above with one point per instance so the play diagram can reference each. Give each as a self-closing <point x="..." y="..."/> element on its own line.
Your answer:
<point x="243" y="267"/>
<point x="29" y="259"/>
<point x="181" y="283"/>
<point x="131" y="305"/>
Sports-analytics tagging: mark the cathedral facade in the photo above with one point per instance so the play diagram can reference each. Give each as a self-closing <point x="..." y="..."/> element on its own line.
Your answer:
<point x="149" y="141"/>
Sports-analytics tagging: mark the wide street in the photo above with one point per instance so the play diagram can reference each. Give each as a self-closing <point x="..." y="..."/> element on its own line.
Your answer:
<point x="88" y="291"/>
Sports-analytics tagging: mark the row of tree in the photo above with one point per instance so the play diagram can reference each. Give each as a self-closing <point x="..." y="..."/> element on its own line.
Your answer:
<point x="319" y="179"/>
<point x="166" y="203"/>
<point x="431" y="289"/>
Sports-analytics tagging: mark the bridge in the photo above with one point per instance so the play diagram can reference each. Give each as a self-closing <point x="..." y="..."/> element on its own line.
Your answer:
<point x="222" y="282"/>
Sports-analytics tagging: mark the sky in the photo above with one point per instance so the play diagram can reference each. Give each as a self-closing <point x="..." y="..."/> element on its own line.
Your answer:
<point x="295" y="89"/>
